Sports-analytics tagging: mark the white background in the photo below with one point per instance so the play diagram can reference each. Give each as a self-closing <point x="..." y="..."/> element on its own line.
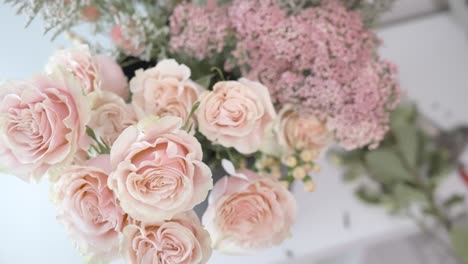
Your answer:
<point x="432" y="54"/>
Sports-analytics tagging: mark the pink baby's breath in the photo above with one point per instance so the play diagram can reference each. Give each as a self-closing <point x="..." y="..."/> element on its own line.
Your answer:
<point x="198" y="30"/>
<point x="321" y="59"/>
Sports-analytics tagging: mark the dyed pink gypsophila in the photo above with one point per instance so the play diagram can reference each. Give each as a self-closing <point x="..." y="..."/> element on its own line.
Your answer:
<point x="363" y="117"/>
<point x="321" y="59"/>
<point x="253" y="23"/>
<point x="199" y="31"/>
<point x="327" y="42"/>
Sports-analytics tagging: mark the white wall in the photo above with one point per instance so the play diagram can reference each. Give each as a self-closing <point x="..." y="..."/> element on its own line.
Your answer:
<point x="407" y="9"/>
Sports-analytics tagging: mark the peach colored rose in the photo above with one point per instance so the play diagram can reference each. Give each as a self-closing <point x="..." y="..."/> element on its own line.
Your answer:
<point x="247" y="212"/>
<point x="112" y="76"/>
<point x="295" y="131"/>
<point x="88" y="208"/>
<point x="235" y="114"/>
<point x="110" y="115"/>
<point x="95" y="73"/>
<point x="42" y="124"/>
<point x="164" y="90"/>
<point x="158" y="170"/>
<point x="182" y="240"/>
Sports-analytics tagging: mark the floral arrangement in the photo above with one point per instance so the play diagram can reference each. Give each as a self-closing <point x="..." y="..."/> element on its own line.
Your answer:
<point x="405" y="173"/>
<point x="256" y="92"/>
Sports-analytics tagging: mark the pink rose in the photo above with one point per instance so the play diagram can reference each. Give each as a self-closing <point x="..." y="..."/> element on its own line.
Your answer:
<point x="95" y="73"/>
<point x="42" y="124"/>
<point x="88" y="209"/>
<point x="303" y="132"/>
<point x="110" y="115"/>
<point x="158" y="170"/>
<point x="181" y="240"/>
<point x="235" y="114"/>
<point x="164" y="90"/>
<point x="247" y="212"/>
<point x="112" y="76"/>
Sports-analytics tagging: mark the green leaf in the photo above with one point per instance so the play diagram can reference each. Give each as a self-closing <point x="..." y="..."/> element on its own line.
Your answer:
<point x="408" y="144"/>
<point x="386" y="166"/>
<point x="459" y="239"/>
<point x="194" y="108"/>
<point x="368" y="196"/>
<point x="439" y="163"/>
<point x="402" y="115"/>
<point x="205" y="80"/>
<point x="90" y="133"/>
<point x="354" y="172"/>
<point x="453" y="201"/>
<point x="406" y="196"/>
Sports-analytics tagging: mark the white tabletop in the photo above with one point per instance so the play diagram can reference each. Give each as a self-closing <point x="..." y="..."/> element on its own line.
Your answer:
<point x="432" y="54"/>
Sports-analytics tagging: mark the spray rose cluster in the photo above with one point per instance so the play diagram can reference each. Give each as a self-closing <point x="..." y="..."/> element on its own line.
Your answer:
<point x="127" y="171"/>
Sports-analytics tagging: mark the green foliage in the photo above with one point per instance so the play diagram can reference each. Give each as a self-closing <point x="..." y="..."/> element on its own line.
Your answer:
<point x="386" y="166"/>
<point x="408" y="144"/>
<point x="405" y="170"/>
<point x="99" y="146"/>
<point x="354" y="172"/>
<point x="453" y="200"/>
<point x="368" y="196"/>
<point x="406" y="195"/>
<point x="459" y="239"/>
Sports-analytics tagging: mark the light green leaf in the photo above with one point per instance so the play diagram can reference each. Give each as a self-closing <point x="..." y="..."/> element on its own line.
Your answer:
<point x="368" y="196"/>
<point x="459" y="238"/>
<point x="453" y="200"/>
<point x="385" y="165"/>
<point x="354" y="172"/>
<point x="205" y="80"/>
<point x="402" y="115"/>
<point x="406" y="196"/>
<point x="408" y="143"/>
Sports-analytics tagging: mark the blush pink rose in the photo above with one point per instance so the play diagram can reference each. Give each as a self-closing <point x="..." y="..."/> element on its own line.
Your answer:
<point x="247" y="212"/>
<point x="164" y="90"/>
<point x="112" y="76"/>
<point x="89" y="210"/>
<point x="158" y="170"/>
<point x="110" y="115"/>
<point x="42" y="124"/>
<point x="235" y="114"/>
<point x="303" y="132"/>
<point x="94" y="72"/>
<point x="181" y="240"/>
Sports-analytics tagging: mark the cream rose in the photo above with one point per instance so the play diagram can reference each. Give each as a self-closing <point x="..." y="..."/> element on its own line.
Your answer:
<point x="182" y="240"/>
<point x="295" y="131"/>
<point x="247" y="212"/>
<point x="158" y="170"/>
<point x="235" y="114"/>
<point x="164" y="90"/>
<point x="42" y="124"/>
<point x="89" y="210"/>
<point x="110" y="115"/>
<point x="95" y="73"/>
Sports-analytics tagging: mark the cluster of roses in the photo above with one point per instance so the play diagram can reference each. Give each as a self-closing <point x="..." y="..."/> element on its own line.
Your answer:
<point x="127" y="170"/>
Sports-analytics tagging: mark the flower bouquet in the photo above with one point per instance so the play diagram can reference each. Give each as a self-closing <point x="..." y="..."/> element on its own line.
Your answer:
<point x="256" y="90"/>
